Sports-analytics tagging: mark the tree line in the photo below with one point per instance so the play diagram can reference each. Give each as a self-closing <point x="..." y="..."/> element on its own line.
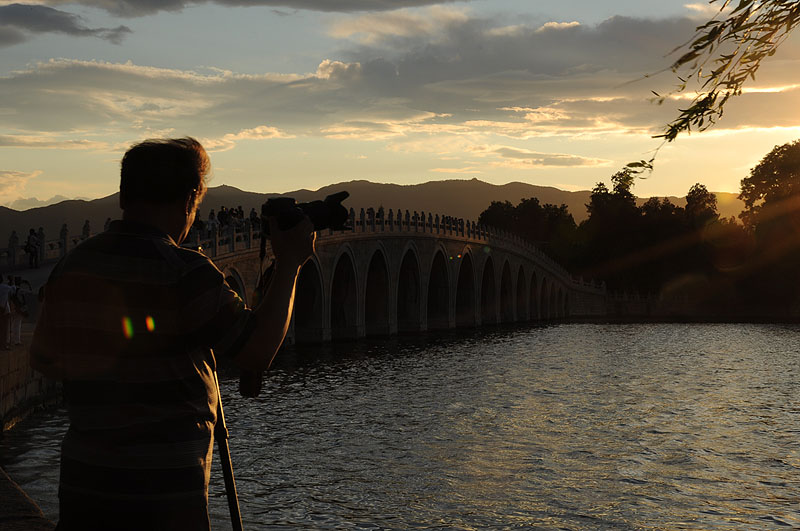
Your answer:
<point x="720" y="265"/>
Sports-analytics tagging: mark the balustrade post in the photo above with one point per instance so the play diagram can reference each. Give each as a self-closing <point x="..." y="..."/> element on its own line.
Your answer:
<point x="361" y="220"/>
<point x="415" y="221"/>
<point x="352" y="220"/>
<point x="408" y="221"/>
<point x="390" y="219"/>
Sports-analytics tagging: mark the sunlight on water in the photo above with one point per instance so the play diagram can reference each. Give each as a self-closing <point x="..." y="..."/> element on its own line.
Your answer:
<point x="573" y="426"/>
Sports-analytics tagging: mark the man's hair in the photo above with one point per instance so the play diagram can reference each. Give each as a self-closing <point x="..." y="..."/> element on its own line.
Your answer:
<point x="163" y="170"/>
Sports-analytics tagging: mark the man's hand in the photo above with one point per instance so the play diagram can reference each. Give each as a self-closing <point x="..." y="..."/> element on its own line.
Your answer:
<point x="294" y="246"/>
<point x="291" y="249"/>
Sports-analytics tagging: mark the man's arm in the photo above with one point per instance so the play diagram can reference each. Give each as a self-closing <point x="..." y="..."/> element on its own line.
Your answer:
<point x="291" y="248"/>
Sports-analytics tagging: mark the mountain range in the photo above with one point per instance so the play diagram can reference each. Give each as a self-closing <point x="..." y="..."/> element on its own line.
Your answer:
<point x="458" y="198"/>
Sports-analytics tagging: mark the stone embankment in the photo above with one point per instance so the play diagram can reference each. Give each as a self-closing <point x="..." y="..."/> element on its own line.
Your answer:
<point x="22" y="391"/>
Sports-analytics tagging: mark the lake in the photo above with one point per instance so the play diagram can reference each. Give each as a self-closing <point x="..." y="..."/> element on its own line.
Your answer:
<point x="570" y="426"/>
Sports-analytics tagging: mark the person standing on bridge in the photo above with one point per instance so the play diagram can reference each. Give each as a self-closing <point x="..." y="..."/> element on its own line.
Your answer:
<point x="133" y="324"/>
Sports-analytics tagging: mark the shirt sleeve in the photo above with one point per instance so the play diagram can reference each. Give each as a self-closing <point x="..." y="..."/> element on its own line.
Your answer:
<point x="214" y="315"/>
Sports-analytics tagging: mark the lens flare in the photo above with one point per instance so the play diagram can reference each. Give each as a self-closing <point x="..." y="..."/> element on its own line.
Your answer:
<point x="127" y="327"/>
<point x="150" y="323"/>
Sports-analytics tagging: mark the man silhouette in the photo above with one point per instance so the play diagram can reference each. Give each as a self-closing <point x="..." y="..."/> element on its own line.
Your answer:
<point x="128" y="323"/>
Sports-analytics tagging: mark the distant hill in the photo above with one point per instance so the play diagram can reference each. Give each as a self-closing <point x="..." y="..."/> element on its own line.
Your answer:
<point x="459" y="198"/>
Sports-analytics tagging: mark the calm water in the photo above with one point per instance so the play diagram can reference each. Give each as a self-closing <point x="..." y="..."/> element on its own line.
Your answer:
<point x="562" y="427"/>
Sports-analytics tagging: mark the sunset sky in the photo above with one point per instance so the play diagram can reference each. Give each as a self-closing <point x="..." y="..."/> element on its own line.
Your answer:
<point x="299" y="94"/>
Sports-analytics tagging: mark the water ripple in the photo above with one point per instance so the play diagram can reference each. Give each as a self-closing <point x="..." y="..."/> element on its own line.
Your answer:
<point x="674" y="426"/>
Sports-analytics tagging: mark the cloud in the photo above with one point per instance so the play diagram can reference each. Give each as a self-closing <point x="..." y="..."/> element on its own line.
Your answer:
<point x="467" y="169"/>
<point x="10" y="36"/>
<point x="18" y="19"/>
<point x="337" y="70"/>
<point x="372" y="28"/>
<point x="49" y="141"/>
<point x="557" y="26"/>
<point x="523" y="158"/>
<point x="441" y="87"/>
<point x="12" y="183"/>
<point x="228" y="141"/>
<point x="137" y="8"/>
<point x="705" y="11"/>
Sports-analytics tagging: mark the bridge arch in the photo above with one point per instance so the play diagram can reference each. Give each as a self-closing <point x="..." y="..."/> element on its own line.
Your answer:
<point x="376" y="295"/>
<point x="465" y="290"/>
<point x="344" y="296"/>
<point x="533" y="298"/>
<point x="409" y="291"/>
<point x="522" y="303"/>
<point x="309" y="304"/>
<point x="545" y="302"/>
<point x="506" y="297"/>
<point x="438" y="300"/>
<point x="488" y="293"/>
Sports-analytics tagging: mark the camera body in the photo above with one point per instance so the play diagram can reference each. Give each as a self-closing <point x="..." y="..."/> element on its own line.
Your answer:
<point x="328" y="213"/>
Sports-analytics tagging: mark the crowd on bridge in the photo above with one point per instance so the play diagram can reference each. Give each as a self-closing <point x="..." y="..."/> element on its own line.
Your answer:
<point x="225" y="219"/>
<point x="33" y="246"/>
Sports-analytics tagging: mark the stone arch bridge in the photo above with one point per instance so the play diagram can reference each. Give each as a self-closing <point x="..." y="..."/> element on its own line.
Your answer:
<point x="410" y="273"/>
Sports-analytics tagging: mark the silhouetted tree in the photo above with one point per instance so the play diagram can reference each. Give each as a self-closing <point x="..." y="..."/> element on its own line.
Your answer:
<point x="701" y="206"/>
<point x="501" y="215"/>
<point x="549" y="227"/>
<point x="771" y="194"/>
<point x="772" y="190"/>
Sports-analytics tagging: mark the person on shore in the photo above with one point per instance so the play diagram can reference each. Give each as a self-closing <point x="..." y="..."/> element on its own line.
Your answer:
<point x="133" y="324"/>
<point x="6" y="290"/>
<point x="32" y="248"/>
<point x="213" y="224"/>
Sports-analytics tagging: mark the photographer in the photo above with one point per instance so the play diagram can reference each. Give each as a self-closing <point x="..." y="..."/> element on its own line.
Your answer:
<point x="128" y="323"/>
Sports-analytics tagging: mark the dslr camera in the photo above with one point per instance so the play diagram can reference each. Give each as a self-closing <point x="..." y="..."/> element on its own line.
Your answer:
<point x="328" y="213"/>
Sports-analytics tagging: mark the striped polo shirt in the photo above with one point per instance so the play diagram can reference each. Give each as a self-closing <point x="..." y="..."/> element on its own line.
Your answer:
<point x="130" y="323"/>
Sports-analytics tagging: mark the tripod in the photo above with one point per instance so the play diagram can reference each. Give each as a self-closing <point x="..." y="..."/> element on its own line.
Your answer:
<point x="221" y="434"/>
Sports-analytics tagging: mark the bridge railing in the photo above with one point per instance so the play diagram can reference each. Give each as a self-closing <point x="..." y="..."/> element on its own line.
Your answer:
<point x="242" y="236"/>
<point x="371" y="220"/>
<point x="15" y="256"/>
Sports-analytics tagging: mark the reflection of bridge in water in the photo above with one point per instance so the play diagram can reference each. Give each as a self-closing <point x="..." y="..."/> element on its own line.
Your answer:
<point x="413" y="273"/>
